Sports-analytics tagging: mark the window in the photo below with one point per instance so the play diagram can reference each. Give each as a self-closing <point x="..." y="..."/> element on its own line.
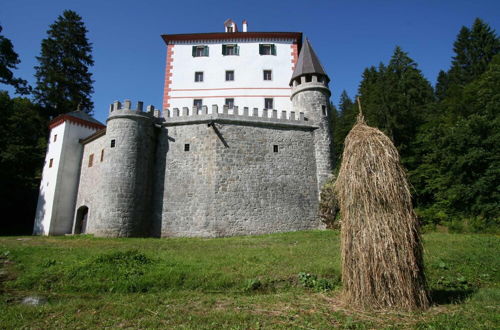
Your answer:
<point x="55" y="137"/>
<point x="113" y="143"/>
<point x="275" y="148"/>
<point x="198" y="76"/>
<point x="186" y="147"/>
<point x="323" y="108"/>
<point x="229" y="75"/>
<point x="91" y="160"/>
<point x="230" y="103"/>
<point x="268" y="75"/>
<point x="51" y="162"/>
<point x="268" y="103"/>
<point x="199" y="51"/>
<point x="198" y="103"/>
<point x="229" y="29"/>
<point x="230" y="49"/>
<point x="102" y="155"/>
<point x="267" y="49"/>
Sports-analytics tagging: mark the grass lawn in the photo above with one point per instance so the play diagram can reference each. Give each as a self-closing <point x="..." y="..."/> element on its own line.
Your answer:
<point x="271" y="281"/>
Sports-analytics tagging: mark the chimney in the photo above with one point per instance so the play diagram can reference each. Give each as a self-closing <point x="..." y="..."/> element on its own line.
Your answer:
<point x="245" y="25"/>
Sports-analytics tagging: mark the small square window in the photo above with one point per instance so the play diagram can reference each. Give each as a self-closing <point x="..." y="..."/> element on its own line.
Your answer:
<point x="229" y="103"/>
<point x="51" y="162"/>
<point x="102" y="155"/>
<point x="91" y="160"/>
<point x="55" y="137"/>
<point x="275" y="148"/>
<point x="268" y="103"/>
<point x="113" y="143"/>
<point x="186" y="147"/>
<point x="198" y="103"/>
<point x="229" y="75"/>
<point x="198" y="76"/>
<point x="268" y="75"/>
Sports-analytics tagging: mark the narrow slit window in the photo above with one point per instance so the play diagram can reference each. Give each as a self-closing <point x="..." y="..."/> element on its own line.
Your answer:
<point x="55" y="137"/>
<point x="186" y="147"/>
<point x="275" y="148"/>
<point x="102" y="155"/>
<point x="51" y="162"/>
<point x="91" y="160"/>
<point x="323" y="108"/>
<point x="113" y="143"/>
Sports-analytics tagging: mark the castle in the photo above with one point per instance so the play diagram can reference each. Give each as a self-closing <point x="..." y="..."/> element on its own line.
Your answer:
<point x="241" y="146"/>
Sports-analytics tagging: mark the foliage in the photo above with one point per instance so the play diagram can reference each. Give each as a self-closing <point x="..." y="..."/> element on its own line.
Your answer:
<point x="458" y="145"/>
<point x="22" y="148"/>
<point x="328" y="205"/>
<point x="63" y="79"/>
<point x="9" y="60"/>
<point x="207" y="283"/>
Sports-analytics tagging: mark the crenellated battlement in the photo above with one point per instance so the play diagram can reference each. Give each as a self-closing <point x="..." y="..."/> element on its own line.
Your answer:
<point x="119" y="109"/>
<point x="187" y="115"/>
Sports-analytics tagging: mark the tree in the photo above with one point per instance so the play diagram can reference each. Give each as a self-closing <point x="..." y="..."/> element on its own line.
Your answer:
<point x="63" y="79"/>
<point x="345" y="118"/>
<point x="395" y="99"/>
<point x="8" y="62"/>
<point x="474" y="49"/>
<point x="22" y="149"/>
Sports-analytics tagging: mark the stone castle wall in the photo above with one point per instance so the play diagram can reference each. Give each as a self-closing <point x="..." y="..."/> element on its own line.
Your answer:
<point x="231" y="181"/>
<point x="202" y="174"/>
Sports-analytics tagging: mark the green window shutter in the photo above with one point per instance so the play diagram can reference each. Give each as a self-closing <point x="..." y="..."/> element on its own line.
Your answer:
<point x="237" y="50"/>
<point x="205" y="51"/>
<point x="273" y="49"/>
<point x="194" y="51"/>
<point x="224" y="52"/>
<point x="261" y="49"/>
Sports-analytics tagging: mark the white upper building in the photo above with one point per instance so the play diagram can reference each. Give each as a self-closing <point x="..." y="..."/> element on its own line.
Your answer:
<point x="246" y="69"/>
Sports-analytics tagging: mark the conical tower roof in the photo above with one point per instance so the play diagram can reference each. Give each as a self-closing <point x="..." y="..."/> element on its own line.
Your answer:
<point x="308" y="63"/>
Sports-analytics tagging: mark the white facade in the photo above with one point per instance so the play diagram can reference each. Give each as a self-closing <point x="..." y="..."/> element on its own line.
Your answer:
<point x="244" y="69"/>
<point x="55" y="207"/>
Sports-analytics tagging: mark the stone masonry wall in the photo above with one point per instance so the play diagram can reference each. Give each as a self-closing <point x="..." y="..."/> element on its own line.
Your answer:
<point x="90" y="189"/>
<point x="231" y="182"/>
<point x="125" y="186"/>
<point x="314" y="101"/>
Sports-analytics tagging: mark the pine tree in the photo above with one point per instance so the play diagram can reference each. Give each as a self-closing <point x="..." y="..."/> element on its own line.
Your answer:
<point x="346" y="116"/>
<point x="474" y="50"/>
<point x="63" y="77"/>
<point x="9" y="60"/>
<point x="395" y="98"/>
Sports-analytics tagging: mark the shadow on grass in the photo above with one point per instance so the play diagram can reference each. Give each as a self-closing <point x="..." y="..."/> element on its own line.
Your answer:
<point x="450" y="296"/>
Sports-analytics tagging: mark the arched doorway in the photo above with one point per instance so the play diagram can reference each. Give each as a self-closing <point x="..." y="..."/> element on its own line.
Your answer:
<point x="81" y="220"/>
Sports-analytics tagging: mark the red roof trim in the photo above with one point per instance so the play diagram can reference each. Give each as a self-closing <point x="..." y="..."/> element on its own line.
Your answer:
<point x="62" y="118"/>
<point x="296" y="36"/>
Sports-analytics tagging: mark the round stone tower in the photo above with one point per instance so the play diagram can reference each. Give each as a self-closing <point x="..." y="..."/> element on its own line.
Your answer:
<point x="127" y="174"/>
<point x="311" y="95"/>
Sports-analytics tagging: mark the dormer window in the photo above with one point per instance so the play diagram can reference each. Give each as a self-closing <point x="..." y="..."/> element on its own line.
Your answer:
<point x="231" y="49"/>
<point x="199" y="51"/>
<point x="230" y="26"/>
<point x="267" y="49"/>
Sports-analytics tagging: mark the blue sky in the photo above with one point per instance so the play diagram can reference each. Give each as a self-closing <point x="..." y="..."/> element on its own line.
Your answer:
<point x="348" y="36"/>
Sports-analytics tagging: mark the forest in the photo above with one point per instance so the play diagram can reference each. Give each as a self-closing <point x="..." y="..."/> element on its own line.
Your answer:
<point x="448" y="135"/>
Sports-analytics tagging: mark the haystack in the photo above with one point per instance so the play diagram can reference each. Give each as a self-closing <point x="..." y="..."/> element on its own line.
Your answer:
<point x="382" y="266"/>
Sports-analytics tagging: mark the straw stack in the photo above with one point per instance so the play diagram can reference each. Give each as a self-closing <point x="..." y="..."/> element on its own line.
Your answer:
<point x="382" y="266"/>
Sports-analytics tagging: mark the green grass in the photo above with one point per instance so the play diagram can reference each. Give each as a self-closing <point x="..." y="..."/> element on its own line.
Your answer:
<point x="271" y="281"/>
